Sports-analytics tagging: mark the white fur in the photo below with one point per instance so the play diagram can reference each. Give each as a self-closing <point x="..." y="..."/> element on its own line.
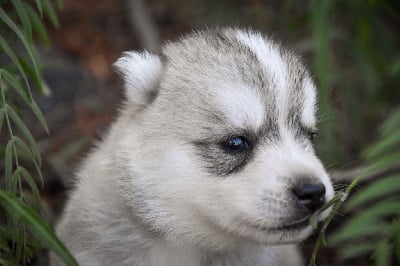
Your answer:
<point x="140" y="72"/>
<point x="308" y="114"/>
<point x="268" y="54"/>
<point x="242" y="106"/>
<point x="149" y="195"/>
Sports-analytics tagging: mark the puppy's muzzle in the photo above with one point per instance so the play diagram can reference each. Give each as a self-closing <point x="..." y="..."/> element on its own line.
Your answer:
<point x="310" y="196"/>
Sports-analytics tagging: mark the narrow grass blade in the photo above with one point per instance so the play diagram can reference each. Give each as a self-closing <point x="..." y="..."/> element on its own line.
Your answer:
<point x="50" y="12"/>
<point x="356" y="250"/>
<point x="396" y="238"/>
<point x="382" y="146"/>
<point x="39" y="7"/>
<point x="24" y="147"/>
<point x="375" y="190"/>
<point x="372" y="228"/>
<point x="15" y="84"/>
<point x="8" y="159"/>
<point x="24" y="18"/>
<point x="383" y="162"/>
<point x="38" y="113"/>
<point x="382" y="254"/>
<point x="37" y="226"/>
<point x="36" y="78"/>
<point x="24" y="130"/>
<point x="20" y="243"/>
<point x="2" y="114"/>
<point x="37" y="25"/>
<point x="10" y="79"/>
<point x="34" y="189"/>
<point x="29" y="49"/>
<point x="391" y="124"/>
<point x="14" y="58"/>
<point x="3" y="242"/>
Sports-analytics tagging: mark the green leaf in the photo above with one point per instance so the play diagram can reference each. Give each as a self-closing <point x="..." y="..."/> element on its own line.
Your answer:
<point x="391" y="124"/>
<point x="24" y="130"/>
<point x="383" y="162"/>
<point x="373" y="191"/>
<point x="39" y="7"/>
<point x="37" y="226"/>
<point x="369" y="222"/>
<point x="50" y="12"/>
<point x="382" y="146"/>
<point x="2" y="114"/>
<point x="396" y="238"/>
<point x="33" y="74"/>
<point x="357" y="229"/>
<point x="20" y="243"/>
<point x="24" y="18"/>
<point x="354" y="250"/>
<point x="314" y="217"/>
<point x="36" y="110"/>
<point x="29" y="179"/>
<point x="38" y="25"/>
<point x="8" y="159"/>
<point x="24" y="147"/>
<point x="8" y="21"/>
<point x="13" y="82"/>
<point x="3" y="242"/>
<point x="7" y="49"/>
<point x="13" y="184"/>
<point x="382" y="254"/>
<point x="381" y="210"/>
<point x="26" y="96"/>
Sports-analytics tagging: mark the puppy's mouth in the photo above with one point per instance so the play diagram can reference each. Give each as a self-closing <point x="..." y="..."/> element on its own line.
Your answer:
<point x="296" y="225"/>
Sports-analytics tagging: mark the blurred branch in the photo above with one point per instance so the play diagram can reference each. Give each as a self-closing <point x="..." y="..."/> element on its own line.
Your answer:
<point x="349" y="174"/>
<point x="140" y="20"/>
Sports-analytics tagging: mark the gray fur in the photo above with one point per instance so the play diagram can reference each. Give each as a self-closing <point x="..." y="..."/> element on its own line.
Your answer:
<point x="161" y="190"/>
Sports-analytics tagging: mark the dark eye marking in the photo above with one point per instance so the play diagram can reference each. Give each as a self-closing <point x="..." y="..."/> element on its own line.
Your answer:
<point x="236" y="144"/>
<point x="311" y="133"/>
<point x="226" y="153"/>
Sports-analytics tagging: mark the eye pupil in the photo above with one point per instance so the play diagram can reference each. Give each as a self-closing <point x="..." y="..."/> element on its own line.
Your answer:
<point x="235" y="144"/>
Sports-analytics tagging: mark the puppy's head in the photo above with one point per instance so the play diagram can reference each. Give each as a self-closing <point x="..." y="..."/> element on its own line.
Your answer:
<point x="219" y="149"/>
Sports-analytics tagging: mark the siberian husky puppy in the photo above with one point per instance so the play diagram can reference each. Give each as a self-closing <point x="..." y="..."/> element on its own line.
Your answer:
<point x="210" y="161"/>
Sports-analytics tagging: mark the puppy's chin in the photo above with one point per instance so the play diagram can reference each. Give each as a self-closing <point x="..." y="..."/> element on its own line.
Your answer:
<point x="292" y="232"/>
<point x="295" y="233"/>
<point x="289" y="234"/>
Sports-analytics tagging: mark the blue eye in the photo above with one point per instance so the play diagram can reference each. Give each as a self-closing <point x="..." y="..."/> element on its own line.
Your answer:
<point x="236" y="144"/>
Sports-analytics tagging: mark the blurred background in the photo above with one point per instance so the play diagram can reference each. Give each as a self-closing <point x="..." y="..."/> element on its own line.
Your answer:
<point x="352" y="47"/>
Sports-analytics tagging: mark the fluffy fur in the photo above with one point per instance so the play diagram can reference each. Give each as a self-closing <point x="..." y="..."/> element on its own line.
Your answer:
<point x="161" y="189"/>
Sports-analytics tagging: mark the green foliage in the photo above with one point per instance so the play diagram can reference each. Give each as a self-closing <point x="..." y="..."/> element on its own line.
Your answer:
<point x="373" y="227"/>
<point x="360" y="34"/>
<point x="22" y="230"/>
<point x="356" y="60"/>
<point x="375" y="208"/>
<point x="21" y="212"/>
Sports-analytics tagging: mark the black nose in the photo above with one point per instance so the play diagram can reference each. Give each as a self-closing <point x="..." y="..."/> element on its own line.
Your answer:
<point x="311" y="196"/>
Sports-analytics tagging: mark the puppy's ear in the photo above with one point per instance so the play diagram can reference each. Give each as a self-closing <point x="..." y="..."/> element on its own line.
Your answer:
<point x="141" y="74"/>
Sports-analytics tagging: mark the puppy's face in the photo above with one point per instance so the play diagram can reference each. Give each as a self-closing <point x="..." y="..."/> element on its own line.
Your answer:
<point x="221" y="148"/>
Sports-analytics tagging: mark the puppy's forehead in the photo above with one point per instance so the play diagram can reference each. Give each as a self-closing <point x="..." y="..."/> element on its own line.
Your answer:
<point x="248" y="78"/>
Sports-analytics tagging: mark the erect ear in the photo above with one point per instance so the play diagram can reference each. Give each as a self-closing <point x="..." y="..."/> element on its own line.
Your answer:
<point x="141" y="74"/>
